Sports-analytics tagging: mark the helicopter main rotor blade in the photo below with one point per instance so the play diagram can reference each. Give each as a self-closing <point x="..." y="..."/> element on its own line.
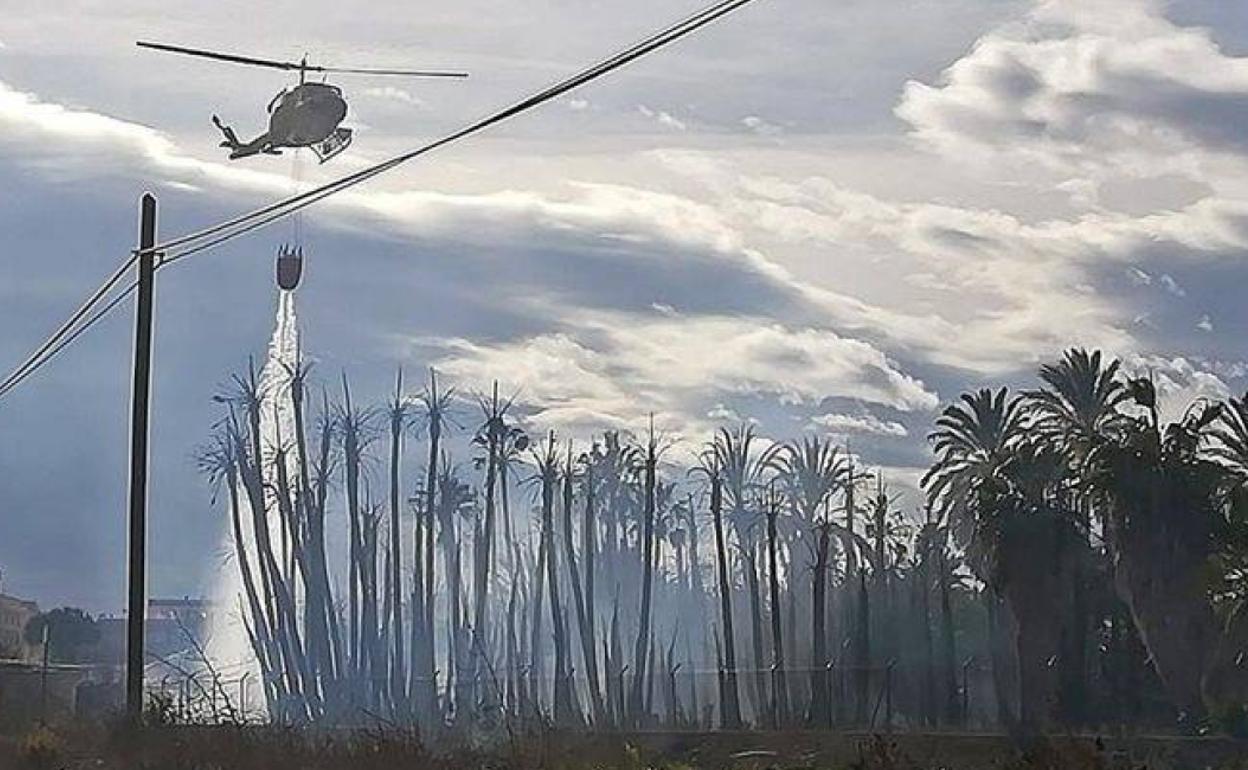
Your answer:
<point x="272" y="64"/>
<point x="404" y="73"/>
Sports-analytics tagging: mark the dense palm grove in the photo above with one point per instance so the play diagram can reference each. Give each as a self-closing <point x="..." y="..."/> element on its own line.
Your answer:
<point x="1077" y="564"/>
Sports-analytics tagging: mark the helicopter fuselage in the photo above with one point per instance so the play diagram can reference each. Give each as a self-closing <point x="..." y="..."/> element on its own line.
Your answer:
<point x="305" y="115"/>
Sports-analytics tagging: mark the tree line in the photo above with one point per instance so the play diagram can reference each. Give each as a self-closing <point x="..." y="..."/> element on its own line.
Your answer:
<point x="1074" y="562"/>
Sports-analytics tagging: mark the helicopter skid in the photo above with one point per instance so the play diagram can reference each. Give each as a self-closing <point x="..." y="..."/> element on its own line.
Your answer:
<point x="333" y="144"/>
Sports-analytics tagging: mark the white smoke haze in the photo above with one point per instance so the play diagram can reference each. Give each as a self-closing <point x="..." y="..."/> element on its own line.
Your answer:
<point x="957" y="194"/>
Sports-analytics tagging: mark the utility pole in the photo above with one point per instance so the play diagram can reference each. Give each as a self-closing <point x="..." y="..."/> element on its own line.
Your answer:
<point x="43" y="674"/>
<point x="138" y="461"/>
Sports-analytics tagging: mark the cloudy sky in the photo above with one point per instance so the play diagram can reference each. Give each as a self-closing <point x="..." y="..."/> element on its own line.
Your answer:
<point x="822" y="216"/>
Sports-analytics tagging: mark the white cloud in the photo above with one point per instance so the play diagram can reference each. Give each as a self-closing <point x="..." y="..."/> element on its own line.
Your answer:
<point x="610" y="370"/>
<point x="1172" y="286"/>
<point x="1180" y="382"/>
<point x="74" y="142"/>
<point x="1205" y="324"/>
<point x="1086" y="84"/>
<point x="663" y="118"/>
<point x="864" y="423"/>
<point x="760" y="126"/>
<point x="726" y="416"/>
<point x="393" y="94"/>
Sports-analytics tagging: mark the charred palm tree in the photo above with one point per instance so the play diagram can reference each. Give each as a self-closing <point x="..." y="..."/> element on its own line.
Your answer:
<point x="640" y="662"/>
<point x="219" y="462"/>
<point x="583" y="619"/>
<point x="741" y="469"/>
<point x="320" y="616"/>
<point x="546" y="460"/>
<point x="780" y="688"/>
<point x="729" y="697"/>
<point x="490" y="437"/>
<point x="398" y="412"/>
<point x="435" y="406"/>
<point x="812" y="471"/>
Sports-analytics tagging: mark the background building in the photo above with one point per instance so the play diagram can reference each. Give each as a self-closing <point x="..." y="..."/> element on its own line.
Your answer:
<point x="14" y="615"/>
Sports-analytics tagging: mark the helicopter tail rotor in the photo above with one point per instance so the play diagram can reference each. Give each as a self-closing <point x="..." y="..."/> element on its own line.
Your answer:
<point x="231" y="138"/>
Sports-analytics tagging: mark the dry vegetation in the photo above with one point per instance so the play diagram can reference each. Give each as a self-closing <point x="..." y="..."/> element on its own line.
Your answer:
<point x="262" y="748"/>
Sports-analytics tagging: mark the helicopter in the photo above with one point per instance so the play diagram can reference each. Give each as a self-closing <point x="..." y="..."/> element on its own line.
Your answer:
<point x="306" y="115"/>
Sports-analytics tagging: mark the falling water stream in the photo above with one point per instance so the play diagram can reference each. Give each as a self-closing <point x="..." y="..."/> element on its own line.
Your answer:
<point x="228" y="649"/>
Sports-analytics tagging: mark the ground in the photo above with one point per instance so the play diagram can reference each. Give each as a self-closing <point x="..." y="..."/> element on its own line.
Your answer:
<point x="244" y="748"/>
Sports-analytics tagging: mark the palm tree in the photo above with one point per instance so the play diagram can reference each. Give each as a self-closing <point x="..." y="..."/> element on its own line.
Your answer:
<point x="583" y="619"/>
<point x="976" y="482"/>
<point x="741" y="470"/>
<point x="398" y="411"/>
<point x="780" y="689"/>
<point x="729" y="697"/>
<point x="1229" y="449"/>
<point x="1078" y="409"/>
<point x="436" y="406"/>
<point x="1080" y="404"/>
<point x="812" y="471"/>
<point x="546" y="461"/>
<point x="640" y="662"/>
<point x="493" y="434"/>
<point x="1164" y="506"/>
<point x="218" y="461"/>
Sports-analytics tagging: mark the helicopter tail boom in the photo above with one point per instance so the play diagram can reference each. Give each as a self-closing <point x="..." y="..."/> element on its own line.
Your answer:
<point x="261" y="144"/>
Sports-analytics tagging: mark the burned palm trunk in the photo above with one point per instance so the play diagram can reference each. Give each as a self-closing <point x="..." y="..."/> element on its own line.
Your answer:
<point x="1004" y="665"/>
<point x="730" y="703"/>
<point x="351" y="461"/>
<point x="512" y="698"/>
<point x="458" y="685"/>
<point x="862" y="652"/>
<point x="279" y="607"/>
<point x="562" y="691"/>
<point x="427" y="695"/>
<point x="371" y="666"/>
<point x="583" y="621"/>
<point x="647" y="584"/>
<point x="337" y="649"/>
<point x="780" y="689"/>
<point x="261" y="638"/>
<point x="953" y="704"/>
<point x="819" y="713"/>
<point x="484" y="545"/>
<point x="398" y="424"/>
<point x="317" y="609"/>
<point x="309" y="687"/>
<point x="927" y="690"/>
<point x="754" y="589"/>
<point x="589" y="640"/>
<point x="537" y="655"/>
<point x="613" y="659"/>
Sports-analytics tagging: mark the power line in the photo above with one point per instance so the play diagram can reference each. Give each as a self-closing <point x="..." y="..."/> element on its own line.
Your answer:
<point x="203" y="240"/>
<point x="37" y="358"/>
<point x="14" y="380"/>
